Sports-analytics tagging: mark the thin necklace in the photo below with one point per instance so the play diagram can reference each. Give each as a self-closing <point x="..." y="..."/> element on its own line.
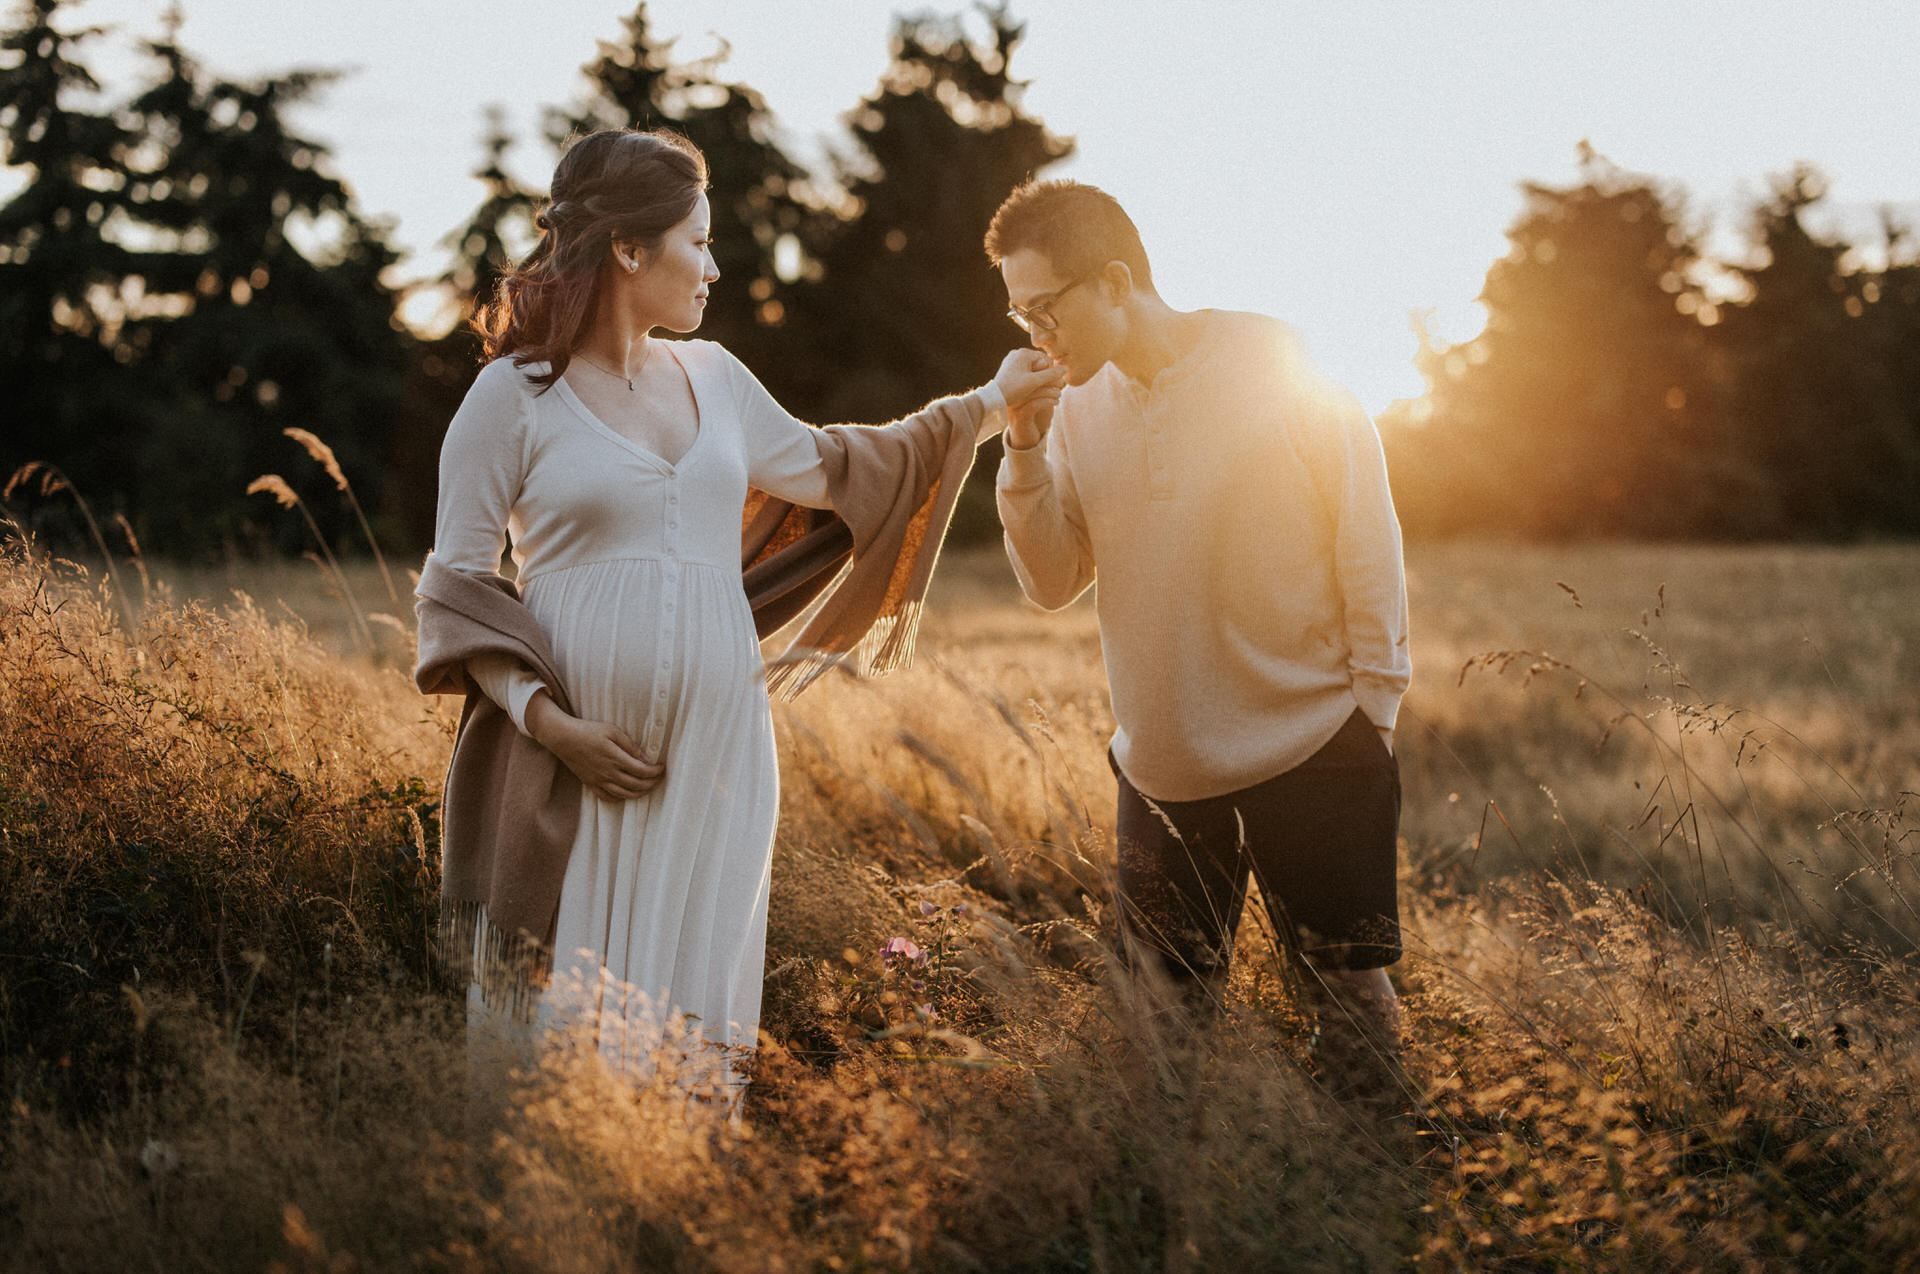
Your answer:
<point x="599" y="366"/>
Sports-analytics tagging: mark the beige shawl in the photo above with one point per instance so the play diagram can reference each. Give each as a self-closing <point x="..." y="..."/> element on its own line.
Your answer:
<point x="511" y="809"/>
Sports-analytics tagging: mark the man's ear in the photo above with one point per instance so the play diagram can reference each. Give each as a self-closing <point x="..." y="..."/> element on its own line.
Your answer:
<point x="1117" y="279"/>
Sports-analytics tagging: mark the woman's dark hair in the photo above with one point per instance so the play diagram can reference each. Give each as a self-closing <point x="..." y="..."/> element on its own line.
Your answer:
<point x="628" y="185"/>
<point x="1076" y="227"/>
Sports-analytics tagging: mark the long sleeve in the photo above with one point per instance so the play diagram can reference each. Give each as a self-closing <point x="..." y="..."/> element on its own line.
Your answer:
<point x="1351" y="473"/>
<point x="1046" y="531"/>
<point x="1251" y="596"/>
<point x="508" y="682"/>
<point x="482" y="464"/>
<point x="783" y="455"/>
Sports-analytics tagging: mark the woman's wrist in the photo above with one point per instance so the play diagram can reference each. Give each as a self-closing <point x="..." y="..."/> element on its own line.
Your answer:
<point x="992" y="397"/>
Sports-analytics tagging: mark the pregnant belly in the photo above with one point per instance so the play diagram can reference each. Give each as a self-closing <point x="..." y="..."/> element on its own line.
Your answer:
<point x="653" y="646"/>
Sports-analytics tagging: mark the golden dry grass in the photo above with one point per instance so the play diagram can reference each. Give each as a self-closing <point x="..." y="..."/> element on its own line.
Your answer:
<point x="1659" y="973"/>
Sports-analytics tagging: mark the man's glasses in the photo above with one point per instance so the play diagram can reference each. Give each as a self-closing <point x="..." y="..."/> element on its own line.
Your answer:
<point x="1039" y="316"/>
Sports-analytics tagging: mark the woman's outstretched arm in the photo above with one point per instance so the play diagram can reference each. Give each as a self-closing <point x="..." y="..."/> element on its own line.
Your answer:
<point x="783" y="454"/>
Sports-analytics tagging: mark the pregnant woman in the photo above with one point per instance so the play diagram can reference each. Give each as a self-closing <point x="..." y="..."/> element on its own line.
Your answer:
<point x="613" y="793"/>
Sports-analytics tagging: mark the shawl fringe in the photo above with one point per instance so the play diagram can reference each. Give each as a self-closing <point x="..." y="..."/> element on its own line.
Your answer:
<point x="511" y="969"/>
<point x="888" y="646"/>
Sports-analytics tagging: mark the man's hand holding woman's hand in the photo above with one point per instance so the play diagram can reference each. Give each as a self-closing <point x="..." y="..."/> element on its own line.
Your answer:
<point x="600" y="755"/>
<point x="1031" y="384"/>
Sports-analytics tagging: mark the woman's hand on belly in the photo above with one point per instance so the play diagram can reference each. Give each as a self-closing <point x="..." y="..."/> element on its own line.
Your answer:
<point x="600" y="754"/>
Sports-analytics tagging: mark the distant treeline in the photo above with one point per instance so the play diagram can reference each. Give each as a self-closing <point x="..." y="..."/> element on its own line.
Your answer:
<point x="1627" y="385"/>
<point x="182" y="277"/>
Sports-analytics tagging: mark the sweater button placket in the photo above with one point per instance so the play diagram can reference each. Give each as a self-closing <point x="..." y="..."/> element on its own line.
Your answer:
<point x="1158" y="485"/>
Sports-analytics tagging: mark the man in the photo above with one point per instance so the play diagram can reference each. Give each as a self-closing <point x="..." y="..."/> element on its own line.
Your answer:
<point x="1252" y="604"/>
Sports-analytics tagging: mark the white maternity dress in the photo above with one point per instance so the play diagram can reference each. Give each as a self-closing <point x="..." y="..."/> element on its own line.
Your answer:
<point x="631" y="565"/>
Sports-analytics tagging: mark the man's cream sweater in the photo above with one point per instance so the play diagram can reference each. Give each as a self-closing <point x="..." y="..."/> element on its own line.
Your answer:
<point x="1251" y="591"/>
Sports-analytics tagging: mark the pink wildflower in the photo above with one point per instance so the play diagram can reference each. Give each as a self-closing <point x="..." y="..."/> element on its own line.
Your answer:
<point x="905" y="948"/>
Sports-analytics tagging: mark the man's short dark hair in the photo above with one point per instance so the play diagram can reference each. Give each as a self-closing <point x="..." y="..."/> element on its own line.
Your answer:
<point x="1078" y="228"/>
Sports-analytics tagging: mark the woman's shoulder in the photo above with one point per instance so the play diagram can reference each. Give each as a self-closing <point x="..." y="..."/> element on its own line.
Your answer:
<point x="717" y="365"/>
<point x="705" y="355"/>
<point x="504" y="387"/>
<point x="499" y="404"/>
<point x="504" y="375"/>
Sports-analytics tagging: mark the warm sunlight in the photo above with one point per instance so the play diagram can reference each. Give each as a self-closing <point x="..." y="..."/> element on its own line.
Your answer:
<point x="1347" y="168"/>
<point x="740" y="636"/>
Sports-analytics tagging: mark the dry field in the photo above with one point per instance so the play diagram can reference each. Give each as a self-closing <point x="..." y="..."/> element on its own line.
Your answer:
<point x="1658" y="876"/>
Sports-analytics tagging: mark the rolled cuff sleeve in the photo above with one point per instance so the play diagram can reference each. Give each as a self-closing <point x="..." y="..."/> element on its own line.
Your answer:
<point x="1380" y="698"/>
<point x="993" y="414"/>
<point x="1024" y="467"/>
<point x="507" y="682"/>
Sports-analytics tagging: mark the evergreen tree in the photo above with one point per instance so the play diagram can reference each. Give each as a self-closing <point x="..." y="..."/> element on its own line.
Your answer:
<point x="1587" y="403"/>
<point x="441" y="368"/>
<point x="1891" y="299"/>
<point x="755" y="191"/>
<point x="904" y="307"/>
<point x="165" y="326"/>
<point x="1824" y="395"/>
<point x="62" y="306"/>
<point x="484" y="247"/>
<point x="904" y="289"/>
<point x="270" y="338"/>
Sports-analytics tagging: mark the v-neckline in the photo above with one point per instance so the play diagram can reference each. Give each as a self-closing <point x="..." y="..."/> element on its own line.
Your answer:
<point x="585" y="413"/>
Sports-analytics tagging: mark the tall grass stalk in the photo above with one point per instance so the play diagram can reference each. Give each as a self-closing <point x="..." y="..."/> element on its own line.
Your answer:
<point x="276" y="486"/>
<point x="139" y="561"/>
<point x="52" y="482"/>
<point x="956" y="1075"/>
<point x="321" y="452"/>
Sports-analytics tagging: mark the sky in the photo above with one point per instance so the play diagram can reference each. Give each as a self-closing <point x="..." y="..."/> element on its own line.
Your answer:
<point x="1340" y="165"/>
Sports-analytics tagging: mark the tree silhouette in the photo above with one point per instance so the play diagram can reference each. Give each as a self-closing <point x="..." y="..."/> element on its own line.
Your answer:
<point x="1587" y="404"/>
<point x="484" y="248"/>
<point x="1891" y="300"/>
<point x="904" y="288"/>
<point x="272" y="337"/>
<point x="904" y="306"/>
<point x="755" y="186"/>
<point x="62" y="311"/>
<point x="441" y="368"/>
<point x="164" y="348"/>
<point x="1824" y="387"/>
